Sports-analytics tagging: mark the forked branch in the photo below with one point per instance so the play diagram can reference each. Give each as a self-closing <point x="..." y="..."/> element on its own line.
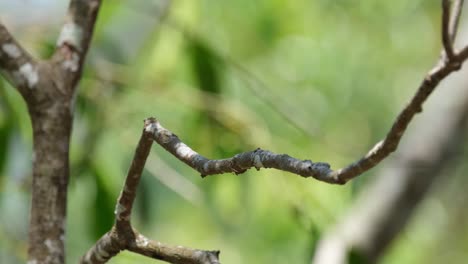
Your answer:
<point x="123" y="237"/>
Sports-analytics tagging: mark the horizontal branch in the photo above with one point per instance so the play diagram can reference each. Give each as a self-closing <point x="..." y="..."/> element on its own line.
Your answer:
<point x="110" y="244"/>
<point x="18" y="67"/>
<point x="172" y="254"/>
<point x="319" y="170"/>
<point x="239" y="163"/>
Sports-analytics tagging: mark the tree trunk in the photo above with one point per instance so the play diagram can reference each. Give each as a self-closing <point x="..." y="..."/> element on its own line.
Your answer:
<point x="52" y="123"/>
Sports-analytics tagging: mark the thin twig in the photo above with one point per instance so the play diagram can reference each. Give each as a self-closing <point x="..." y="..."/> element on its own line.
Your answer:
<point x="127" y="196"/>
<point x="455" y="19"/>
<point x="446" y="36"/>
<point x="239" y="163"/>
<point x="171" y="254"/>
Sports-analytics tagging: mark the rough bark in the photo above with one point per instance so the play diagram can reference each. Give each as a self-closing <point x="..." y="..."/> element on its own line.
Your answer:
<point x="51" y="136"/>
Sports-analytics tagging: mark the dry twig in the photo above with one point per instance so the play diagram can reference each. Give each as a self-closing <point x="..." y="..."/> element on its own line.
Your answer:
<point x="123" y="237"/>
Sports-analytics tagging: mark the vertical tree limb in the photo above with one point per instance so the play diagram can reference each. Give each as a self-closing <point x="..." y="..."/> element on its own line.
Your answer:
<point x="74" y="39"/>
<point x="447" y="35"/>
<point x="455" y="19"/>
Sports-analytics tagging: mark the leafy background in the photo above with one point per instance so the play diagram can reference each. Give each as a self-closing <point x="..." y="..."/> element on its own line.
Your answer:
<point x="318" y="80"/>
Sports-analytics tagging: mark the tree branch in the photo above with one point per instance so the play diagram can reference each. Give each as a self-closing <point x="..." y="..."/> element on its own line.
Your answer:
<point x="104" y="249"/>
<point x="239" y="163"/>
<point x="320" y="170"/>
<point x="123" y="237"/>
<point x="446" y="30"/>
<point x="19" y="68"/>
<point x="306" y="168"/>
<point x="127" y="196"/>
<point x="383" y="209"/>
<point x="111" y="244"/>
<point x="171" y="254"/>
<point x="455" y="19"/>
<point x="75" y="37"/>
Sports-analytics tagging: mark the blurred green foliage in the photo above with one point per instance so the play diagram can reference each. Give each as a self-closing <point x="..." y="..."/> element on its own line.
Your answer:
<point x="320" y="80"/>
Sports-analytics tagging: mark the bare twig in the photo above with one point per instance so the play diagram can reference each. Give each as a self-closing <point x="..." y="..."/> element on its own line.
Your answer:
<point x="16" y="64"/>
<point x="110" y="244"/>
<point x="124" y="205"/>
<point x="239" y="163"/>
<point x="446" y="34"/>
<point x="123" y="237"/>
<point x="455" y="19"/>
<point x="176" y="255"/>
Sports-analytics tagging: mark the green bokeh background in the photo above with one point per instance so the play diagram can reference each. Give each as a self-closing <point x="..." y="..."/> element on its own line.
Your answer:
<point x="320" y="80"/>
